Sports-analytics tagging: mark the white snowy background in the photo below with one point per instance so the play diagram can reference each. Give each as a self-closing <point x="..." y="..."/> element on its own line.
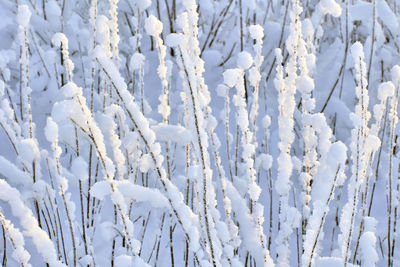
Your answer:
<point x="199" y="133"/>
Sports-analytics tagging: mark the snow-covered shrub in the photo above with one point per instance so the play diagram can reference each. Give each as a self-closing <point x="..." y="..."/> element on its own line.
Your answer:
<point x="199" y="133"/>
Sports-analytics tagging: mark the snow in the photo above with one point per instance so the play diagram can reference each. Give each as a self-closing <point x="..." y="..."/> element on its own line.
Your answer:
<point x="174" y="133"/>
<point x="153" y="26"/>
<point x="385" y="90"/>
<point x="79" y="168"/>
<point x="231" y="77"/>
<point x="244" y="60"/>
<point x="137" y="61"/>
<point x="256" y="31"/>
<point x="330" y="7"/>
<point x="100" y="189"/>
<point x="142" y="4"/>
<point x="23" y="16"/>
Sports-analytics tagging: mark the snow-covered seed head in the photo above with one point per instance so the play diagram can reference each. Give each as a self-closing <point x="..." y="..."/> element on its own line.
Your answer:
<point x="137" y="61"/>
<point x="231" y="77"/>
<point x="153" y="26"/>
<point x="244" y="60"/>
<point x="58" y="39"/>
<point x="23" y="16"/>
<point x="385" y="90"/>
<point x="256" y="32"/>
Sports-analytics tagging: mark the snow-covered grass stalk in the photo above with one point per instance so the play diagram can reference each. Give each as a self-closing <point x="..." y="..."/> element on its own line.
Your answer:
<point x="305" y="84"/>
<point x="385" y="91"/>
<point x="286" y="87"/>
<point x="114" y="30"/>
<point x="17" y="241"/>
<point x="391" y="183"/>
<point x="51" y="132"/>
<point x="363" y="144"/>
<point x="30" y="225"/>
<point x="257" y="33"/>
<point x="23" y="18"/>
<point x="235" y="77"/>
<point x="330" y="175"/>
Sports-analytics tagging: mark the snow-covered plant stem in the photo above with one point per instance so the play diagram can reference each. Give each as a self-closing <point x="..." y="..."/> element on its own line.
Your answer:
<point x="286" y="88"/>
<point x="17" y="241"/>
<point x="257" y="33"/>
<point x="385" y="91"/>
<point x="391" y="181"/>
<point x="113" y="5"/>
<point x="329" y="176"/>
<point x="52" y="137"/>
<point x="30" y="225"/>
<point x="363" y="144"/>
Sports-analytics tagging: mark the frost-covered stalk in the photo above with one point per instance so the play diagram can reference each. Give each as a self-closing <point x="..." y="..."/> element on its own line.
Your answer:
<point x="391" y="182"/>
<point x="286" y="87"/>
<point x="113" y="5"/>
<point x="51" y="133"/>
<point x="154" y="28"/>
<point x="235" y="77"/>
<point x="183" y="213"/>
<point x="385" y="91"/>
<point x="305" y="84"/>
<point x="17" y="241"/>
<point x="330" y="175"/>
<point x="60" y="40"/>
<point x="362" y="145"/>
<point x="30" y="225"/>
<point x="23" y="17"/>
<point x="257" y="33"/>
<point x="8" y="118"/>
<point x="93" y="23"/>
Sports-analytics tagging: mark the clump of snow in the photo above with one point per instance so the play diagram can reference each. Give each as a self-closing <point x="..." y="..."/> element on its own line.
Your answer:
<point x="330" y="7"/>
<point x="244" y="60"/>
<point x="23" y="16"/>
<point x="51" y="130"/>
<point x="174" y="133"/>
<point x="70" y="89"/>
<point x="231" y="77"/>
<point x="153" y="26"/>
<point x="385" y="90"/>
<point x="28" y="150"/>
<point x="137" y="61"/>
<point x="256" y="31"/>
<point x="305" y="84"/>
<point x="58" y="39"/>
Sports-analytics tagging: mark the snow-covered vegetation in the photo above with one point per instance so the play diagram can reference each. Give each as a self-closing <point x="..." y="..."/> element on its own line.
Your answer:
<point x="199" y="133"/>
